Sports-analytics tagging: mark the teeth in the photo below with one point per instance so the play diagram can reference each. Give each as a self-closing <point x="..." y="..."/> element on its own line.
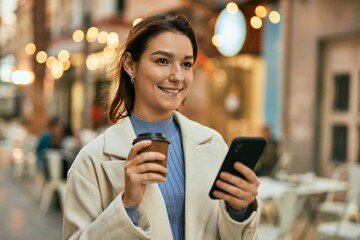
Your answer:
<point x="170" y="90"/>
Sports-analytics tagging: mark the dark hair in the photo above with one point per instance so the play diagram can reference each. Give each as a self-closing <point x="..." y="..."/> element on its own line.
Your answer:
<point x="123" y="102"/>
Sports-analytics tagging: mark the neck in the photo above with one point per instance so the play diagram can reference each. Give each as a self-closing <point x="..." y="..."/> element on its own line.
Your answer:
<point x="151" y="117"/>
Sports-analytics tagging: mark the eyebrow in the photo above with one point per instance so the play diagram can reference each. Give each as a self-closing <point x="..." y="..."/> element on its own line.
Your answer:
<point x="170" y="55"/>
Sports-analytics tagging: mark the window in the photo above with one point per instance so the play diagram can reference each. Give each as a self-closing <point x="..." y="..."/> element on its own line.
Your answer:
<point x="120" y="6"/>
<point x="339" y="143"/>
<point x="341" y="92"/>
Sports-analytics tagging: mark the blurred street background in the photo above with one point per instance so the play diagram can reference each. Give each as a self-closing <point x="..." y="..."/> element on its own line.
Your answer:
<point x="19" y="201"/>
<point x="288" y="70"/>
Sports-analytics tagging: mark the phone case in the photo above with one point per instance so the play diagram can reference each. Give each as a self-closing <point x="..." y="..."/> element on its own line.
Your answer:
<point x="246" y="150"/>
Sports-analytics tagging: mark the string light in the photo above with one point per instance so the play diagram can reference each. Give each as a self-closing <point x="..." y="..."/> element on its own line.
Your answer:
<point x="92" y="34"/>
<point x="217" y="40"/>
<point x="256" y="22"/>
<point x="50" y="61"/>
<point x="260" y="11"/>
<point x="274" y="17"/>
<point x="232" y="8"/>
<point x="41" y="57"/>
<point x="113" y="39"/>
<point x="30" y="49"/>
<point x="78" y="35"/>
<point x="63" y="55"/>
<point x="102" y="37"/>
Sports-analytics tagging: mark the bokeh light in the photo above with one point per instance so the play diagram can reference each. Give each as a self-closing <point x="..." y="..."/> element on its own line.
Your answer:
<point x="22" y="77"/>
<point x="63" y="55"/>
<point x="50" y="61"/>
<point x="92" y="62"/>
<point x="30" y="49"/>
<point x="102" y="37"/>
<point x="113" y="39"/>
<point x="274" y="17"/>
<point x="232" y="8"/>
<point x="230" y="32"/>
<point x="260" y="11"/>
<point x="66" y="65"/>
<point x="78" y="35"/>
<point x="41" y="57"/>
<point x="217" y="40"/>
<point x="256" y="22"/>
<point x="57" y="70"/>
<point x="109" y="52"/>
<point x="136" y="21"/>
<point x="92" y="34"/>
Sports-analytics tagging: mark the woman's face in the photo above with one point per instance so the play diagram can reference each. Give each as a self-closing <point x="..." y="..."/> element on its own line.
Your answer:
<point x="163" y="76"/>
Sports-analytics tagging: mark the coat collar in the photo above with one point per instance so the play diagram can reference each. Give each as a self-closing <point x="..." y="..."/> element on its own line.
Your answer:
<point x="118" y="139"/>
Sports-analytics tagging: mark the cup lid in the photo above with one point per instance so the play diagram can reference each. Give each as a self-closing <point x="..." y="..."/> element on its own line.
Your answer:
<point x="151" y="136"/>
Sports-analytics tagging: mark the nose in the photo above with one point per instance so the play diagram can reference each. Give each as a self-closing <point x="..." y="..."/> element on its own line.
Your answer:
<point x="176" y="73"/>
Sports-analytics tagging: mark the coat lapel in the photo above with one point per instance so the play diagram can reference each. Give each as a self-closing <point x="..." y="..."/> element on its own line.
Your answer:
<point x="118" y="141"/>
<point x="200" y="174"/>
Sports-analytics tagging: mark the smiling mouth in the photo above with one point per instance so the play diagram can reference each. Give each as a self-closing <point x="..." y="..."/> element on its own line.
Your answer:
<point x="171" y="91"/>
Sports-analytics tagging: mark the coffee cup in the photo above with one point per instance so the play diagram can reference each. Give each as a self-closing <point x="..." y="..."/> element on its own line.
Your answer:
<point x="159" y="143"/>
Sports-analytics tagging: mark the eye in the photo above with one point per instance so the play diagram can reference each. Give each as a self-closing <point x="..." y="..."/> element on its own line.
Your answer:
<point x="162" y="61"/>
<point x="187" y="64"/>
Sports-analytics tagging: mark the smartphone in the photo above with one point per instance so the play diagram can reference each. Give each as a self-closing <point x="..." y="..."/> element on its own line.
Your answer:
<point x="246" y="150"/>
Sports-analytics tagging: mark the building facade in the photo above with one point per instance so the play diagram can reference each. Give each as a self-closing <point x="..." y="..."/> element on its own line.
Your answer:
<point x="322" y="85"/>
<point x="300" y="76"/>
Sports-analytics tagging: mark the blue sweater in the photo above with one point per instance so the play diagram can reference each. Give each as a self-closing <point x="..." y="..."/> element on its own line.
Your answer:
<point x="173" y="189"/>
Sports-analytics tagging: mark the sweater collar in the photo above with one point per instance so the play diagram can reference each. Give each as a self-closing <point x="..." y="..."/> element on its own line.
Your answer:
<point x="167" y="127"/>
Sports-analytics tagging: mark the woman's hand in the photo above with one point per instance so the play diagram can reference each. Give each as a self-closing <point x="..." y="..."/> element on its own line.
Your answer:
<point x="140" y="169"/>
<point x="238" y="192"/>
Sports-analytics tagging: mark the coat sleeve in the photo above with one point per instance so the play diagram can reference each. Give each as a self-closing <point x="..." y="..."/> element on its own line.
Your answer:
<point x="245" y="230"/>
<point x="86" y="218"/>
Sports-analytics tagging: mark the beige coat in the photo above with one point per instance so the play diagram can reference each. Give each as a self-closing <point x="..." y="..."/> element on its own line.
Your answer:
<point x="94" y="209"/>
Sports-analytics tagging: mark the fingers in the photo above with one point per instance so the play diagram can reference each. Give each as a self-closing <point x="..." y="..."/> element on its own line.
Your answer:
<point x="242" y="191"/>
<point x="249" y="174"/>
<point x="137" y="148"/>
<point x="142" y="178"/>
<point x="146" y="157"/>
<point x="151" y="167"/>
<point x="145" y="166"/>
<point x="250" y="183"/>
<point x="237" y="204"/>
<point x="139" y="169"/>
<point x="238" y="192"/>
<point x="143" y="157"/>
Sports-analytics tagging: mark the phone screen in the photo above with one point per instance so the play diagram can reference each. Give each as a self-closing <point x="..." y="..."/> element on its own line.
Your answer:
<point x="246" y="150"/>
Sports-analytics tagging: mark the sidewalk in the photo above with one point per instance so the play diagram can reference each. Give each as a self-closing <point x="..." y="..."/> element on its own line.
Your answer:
<point x="20" y="218"/>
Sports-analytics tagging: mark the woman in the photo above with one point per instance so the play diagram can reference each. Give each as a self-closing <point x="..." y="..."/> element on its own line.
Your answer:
<point x="107" y="197"/>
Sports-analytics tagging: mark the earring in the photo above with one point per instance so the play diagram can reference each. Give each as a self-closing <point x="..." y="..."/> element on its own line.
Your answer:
<point x="132" y="79"/>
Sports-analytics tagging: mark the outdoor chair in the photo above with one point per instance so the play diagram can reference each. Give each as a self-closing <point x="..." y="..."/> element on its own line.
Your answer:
<point x="335" y="208"/>
<point x="288" y="209"/>
<point x="344" y="228"/>
<point x="55" y="182"/>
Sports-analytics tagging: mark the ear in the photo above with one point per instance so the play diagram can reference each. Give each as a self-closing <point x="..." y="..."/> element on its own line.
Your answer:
<point x="128" y="64"/>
